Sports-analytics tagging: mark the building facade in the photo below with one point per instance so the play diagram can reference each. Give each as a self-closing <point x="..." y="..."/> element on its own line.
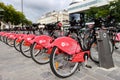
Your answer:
<point x="77" y="8"/>
<point x="55" y="16"/>
<point x="82" y="5"/>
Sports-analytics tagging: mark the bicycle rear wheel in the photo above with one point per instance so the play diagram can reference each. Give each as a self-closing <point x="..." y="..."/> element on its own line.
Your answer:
<point x="40" y="56"/>
<point x="60" y="64"/>
<point x="17" y="45"/>
<point x="10" y="42"/>
<point x="0" y="38"/>
<point x="4" y="39"/>
<point x="25" y="50"/>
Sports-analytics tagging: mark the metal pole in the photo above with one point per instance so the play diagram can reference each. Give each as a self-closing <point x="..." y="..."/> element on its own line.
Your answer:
<point x="22" y="10"/>
<point x="57" y="18"/>
<point x="22" y="6"/>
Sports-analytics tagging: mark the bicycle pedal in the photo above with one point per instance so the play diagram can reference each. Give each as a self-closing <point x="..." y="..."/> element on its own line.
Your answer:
<point x="88" y="66"/>
<point x="78" y="69"/>
<point x="116" y="47"/>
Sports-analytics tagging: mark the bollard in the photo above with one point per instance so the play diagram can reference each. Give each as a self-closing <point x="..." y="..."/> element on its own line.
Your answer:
<point x="105" y="55"/>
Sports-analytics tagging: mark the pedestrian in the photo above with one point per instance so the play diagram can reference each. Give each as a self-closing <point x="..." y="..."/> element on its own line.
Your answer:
<point x="59" y="25"/>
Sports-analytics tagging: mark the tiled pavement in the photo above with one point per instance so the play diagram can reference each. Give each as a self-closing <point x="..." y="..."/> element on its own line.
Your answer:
<point x="14" y="66"/>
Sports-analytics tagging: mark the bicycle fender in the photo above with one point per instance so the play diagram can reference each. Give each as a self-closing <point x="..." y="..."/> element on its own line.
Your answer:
<point x="29" y="37"/>
<point x="12" y="36"/>
<point x="67" y="44"/>
<point x="44" y="40"/>
<point x="20" y="37"/>
<point x="117" y="37"/>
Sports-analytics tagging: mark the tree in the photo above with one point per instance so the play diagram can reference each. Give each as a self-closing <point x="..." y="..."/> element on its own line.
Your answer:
<point x="91" y="12"/>
<point x="103" y="11"/>
<point x="114" y="7"/>
<point x="13" y="16"/>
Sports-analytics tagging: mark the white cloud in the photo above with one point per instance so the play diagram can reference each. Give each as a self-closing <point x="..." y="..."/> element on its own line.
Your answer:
<point x="33" y="9"/>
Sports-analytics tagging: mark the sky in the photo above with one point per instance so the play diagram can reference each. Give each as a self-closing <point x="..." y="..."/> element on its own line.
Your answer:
<point x="34" y="9"/>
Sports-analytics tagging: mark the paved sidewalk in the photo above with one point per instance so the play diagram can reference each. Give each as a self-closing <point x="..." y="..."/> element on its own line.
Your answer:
<point x="14" y="66"/>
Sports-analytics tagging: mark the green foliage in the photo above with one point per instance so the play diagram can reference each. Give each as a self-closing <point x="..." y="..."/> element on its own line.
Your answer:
<point x="95" y="12"/>
<point x="91" y="12"/>
<point x="111" y="9"/>
<point x="115" y="9"/>
<point x="13" y="16"/>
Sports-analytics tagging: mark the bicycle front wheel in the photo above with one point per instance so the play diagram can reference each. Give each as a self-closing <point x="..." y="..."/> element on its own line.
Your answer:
<point x="61" y="65"/>
<point x="94" y="54"/>
<point x="117" y="44"/>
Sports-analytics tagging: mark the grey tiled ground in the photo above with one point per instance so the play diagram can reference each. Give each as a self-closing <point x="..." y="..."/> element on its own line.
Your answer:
<point x="14" y="66"/>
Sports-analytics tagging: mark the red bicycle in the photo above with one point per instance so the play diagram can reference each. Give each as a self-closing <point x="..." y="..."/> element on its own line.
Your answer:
<point x="41" y="47"/>
<point x="68" y="54"/>
<point x="66" y="57"/>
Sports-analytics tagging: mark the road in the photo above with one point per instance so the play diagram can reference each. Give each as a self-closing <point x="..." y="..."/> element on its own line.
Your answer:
<point x="14" y="66"/>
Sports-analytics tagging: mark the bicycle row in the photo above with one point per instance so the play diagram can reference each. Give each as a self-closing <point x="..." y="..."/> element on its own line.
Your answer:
<point x="64" y="51"/>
